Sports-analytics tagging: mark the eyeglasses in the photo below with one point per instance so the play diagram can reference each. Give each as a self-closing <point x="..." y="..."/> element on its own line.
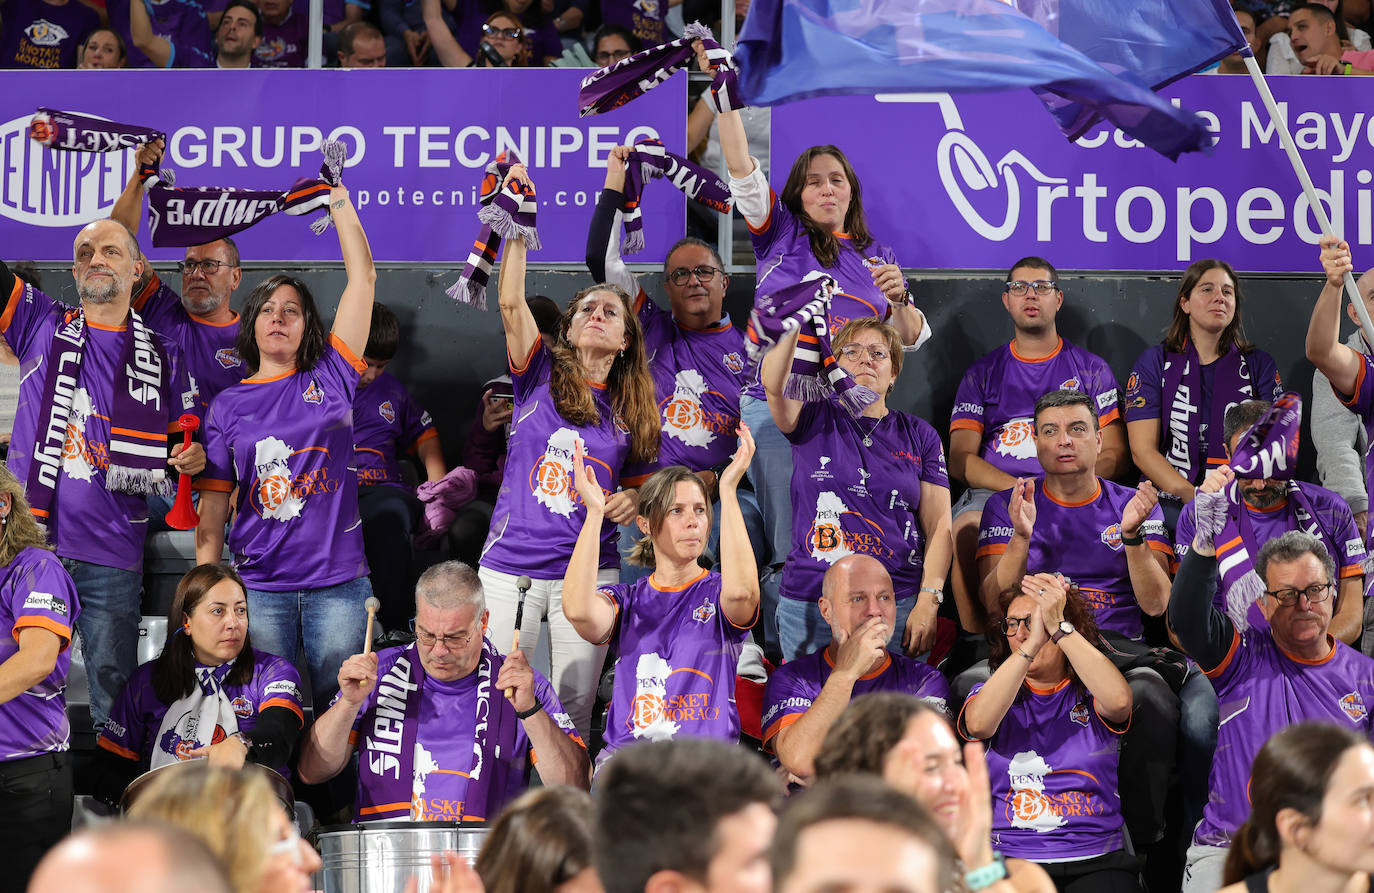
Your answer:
<point x="507" y="33"/>
<point x="855" y="352"/>
<point x="1039" y="286"/>
<point x="1011" y="624"/>
<point x="429" y="640"/>
<point x="211" y="267"/>
<point x="702" y="274"/>
<point x="606" y="57"/>
<point x="1316" y="594"/>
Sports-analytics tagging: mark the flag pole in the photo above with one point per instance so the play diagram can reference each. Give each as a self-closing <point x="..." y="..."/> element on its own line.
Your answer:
<point x="1291" y="150"/>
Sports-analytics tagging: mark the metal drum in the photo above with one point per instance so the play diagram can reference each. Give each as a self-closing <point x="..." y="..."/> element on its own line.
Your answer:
<point x="379" y="857"/>
<point x="280" y="786"/>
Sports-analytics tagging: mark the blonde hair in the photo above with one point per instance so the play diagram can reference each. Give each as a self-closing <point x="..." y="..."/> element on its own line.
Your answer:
<point x="850" y="330"/>
<point x="656" y="496"/>
<point x="230" y="810"/>
<point x="21" y="530"/>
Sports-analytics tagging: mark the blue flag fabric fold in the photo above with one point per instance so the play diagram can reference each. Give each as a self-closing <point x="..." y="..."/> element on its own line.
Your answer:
<point x="795" y="49"/>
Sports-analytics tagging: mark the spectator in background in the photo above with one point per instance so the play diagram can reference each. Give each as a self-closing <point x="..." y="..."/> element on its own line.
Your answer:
<point x="1235" y="63"/>
<point x="361" y="45"/>
<point x="611" y="43"/>
<point x="647" y="19"/>
<point x="1312" y="33"/>
<point x="181" y="23"/>
<point x="569" y="16"/>
<point x="103" y="48"/>
<point x="44" y="33"/>
<point x="285" y="34"/>
<point x="409" y="32"/>
<point x="237" y="37"/>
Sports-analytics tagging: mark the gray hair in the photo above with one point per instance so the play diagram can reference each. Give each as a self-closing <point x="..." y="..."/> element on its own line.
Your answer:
<point x="1242" y="417"/>
<point x="449" y="585"/>
<point x="1290" y="547"/>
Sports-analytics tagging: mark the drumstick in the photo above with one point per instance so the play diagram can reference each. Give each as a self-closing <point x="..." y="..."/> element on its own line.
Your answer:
<point x="372" y="606"/>
<point x="523" y="584"/>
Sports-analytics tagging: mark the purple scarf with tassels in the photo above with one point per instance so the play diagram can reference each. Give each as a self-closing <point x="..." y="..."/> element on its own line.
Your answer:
<point x="649" y="160"/>
<point x="1182" y="425"/>
<point x="611" y="87"/>
<point x="70" y="132"/>
<point x="802" y="307"/>
<point x="182" y="217"/>
<point x="505" y="214"/>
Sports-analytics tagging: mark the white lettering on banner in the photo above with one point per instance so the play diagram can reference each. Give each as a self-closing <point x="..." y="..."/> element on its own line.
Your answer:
<point x="57" y="189"/>
<point x="191" y="146"/>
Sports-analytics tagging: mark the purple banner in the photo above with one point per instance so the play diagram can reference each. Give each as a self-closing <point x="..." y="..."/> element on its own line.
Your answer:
<point x="418" y="141"/>
<point x="994" y="180"/>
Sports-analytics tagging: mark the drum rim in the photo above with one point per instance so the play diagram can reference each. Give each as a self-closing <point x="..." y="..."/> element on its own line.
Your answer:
<point x="398" y="825"/>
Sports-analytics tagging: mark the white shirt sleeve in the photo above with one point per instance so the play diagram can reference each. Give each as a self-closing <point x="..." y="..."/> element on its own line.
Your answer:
<point x="751" y="195"/>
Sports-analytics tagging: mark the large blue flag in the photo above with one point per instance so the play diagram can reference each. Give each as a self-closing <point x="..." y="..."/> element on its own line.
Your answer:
<point x="794" y="49"/>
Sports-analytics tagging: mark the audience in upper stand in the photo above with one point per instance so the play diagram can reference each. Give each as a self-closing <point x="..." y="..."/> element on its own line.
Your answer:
<point x="1315" y="41"/>
<point x="181" y="23"/>
<point x="1178" y="391"/>
<point x="1235" y="63"/>
<point x="611" y="43"/>
<point x="285" y="34"/>
<point x="361" y="45"/>
<point x="238" y="35"/>
<point x="44" y="33"/>
<point x="103" y="48"/>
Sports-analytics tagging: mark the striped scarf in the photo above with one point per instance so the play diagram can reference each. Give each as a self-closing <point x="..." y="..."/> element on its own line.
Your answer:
<point x="505" y="213"/>
<point x="611" y="87"/>
<point x="70" y="132"/>
<point x="649" y="160"/>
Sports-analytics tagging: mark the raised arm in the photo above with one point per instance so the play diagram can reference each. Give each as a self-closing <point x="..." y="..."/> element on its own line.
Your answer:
<point x="999" y="573"/>
<point x="776" y="366"/>
<point x="1336" y="361"/>
<point x="739" y="587"/>
<point x="984" y="712"/>
<point x="516" y="318"/>
<point x="354" y="316"/>
<point x="603" y="235"/>
<point x="1111" y="694"/>
<point x="1148" y="568"/>
<point x="590" y="613"/>
<point x="159" y="50"/>
<point x="326" y="749"/>
<point x="1204" y="633"/>
<point x="734" y="144"/>
<point x="445" y="46"/>
<point x="128" y="208"/>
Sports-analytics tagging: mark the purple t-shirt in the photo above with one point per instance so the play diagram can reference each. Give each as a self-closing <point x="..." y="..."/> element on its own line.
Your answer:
<point x="35" y="591"/>
<point x="284" y="44"/>
<point x="644" y="17"/>
<point x="43" y="35"/>
<point x="386" y="420"/>
<point x="697" y="375"/>
<point x="1052" y="767"/>
<point x="1362" y="404"/>
<point x="136" y="718"/>
<point x="1145" y="398"/>
<point x="538" y="512"/>
<point x="89" y="522"/>
<point x="208" y="348"/>
<point x="444" y="744"/>
<point x="675" y="669"/>
<point x="334" y="10"/>
<point x="1261" y="690"/>
<point x="997" y="399"/>
<point x="1083" y="542"/>
<point x="287" y="442"/>
<point x="794" y="686"/>
<point x="181" y="22"/>
<point x="848" y="498"/>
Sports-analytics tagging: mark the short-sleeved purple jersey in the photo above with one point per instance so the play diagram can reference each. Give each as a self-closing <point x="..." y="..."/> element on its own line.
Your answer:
<point x="538" y="512"/>
<point x="181" y="22"/>
<point x="675" y="669"/>
<point x="36" y="593"/>
<point x="444" y="742"/>
<point x="794" y="686"/>
<point x="849" y="498"/>
<point x="44" y="35"/>
<point x="137" y="715"/>
<point x="89" y="522"/>
<point x="1052" y="767"/>
<point x="644" y="17"/>
<point x="997" y="399"/>
<point x="386" y="422"/>
<point x="1082" y="541"/>
<point x="284" y="44"/>
<point x="207" y="347"/>
<point x="287" y="442"/>
<point x="1362" y="404"/>
<point x="1261" y="690"/>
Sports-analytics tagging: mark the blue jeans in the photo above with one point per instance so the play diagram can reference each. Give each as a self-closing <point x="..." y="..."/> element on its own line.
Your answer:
<point x="108" y="625"/>
<point x="330" y="622"/>
<point x="770" y="471"/>
<point x="802" y="630"/>
<point x="1199" y="716"/>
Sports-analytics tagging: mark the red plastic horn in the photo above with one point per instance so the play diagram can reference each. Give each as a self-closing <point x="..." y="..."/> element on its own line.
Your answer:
<point x="183" y="516"/>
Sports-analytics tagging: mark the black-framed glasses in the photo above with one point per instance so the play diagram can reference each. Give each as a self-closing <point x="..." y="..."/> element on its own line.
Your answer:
<point x="702" y="273"/>
<point x="507" y="33"/>
<point x="1041" y="287"/>
<point x="855" y="352"/>
<point x="428" y="639"/>
<point x="211" y="266"/>
<point x="606" y="57"/>
<point x="1316" y="594"/>
<point x="1011" y="624"/>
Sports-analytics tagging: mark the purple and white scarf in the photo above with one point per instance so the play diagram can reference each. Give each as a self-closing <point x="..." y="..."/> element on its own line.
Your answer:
<point x="649" y="160"/>
<point x="1182" y="423"/>
<point x="183" y="217"/>
<point x="611" y="87"/>
<point x="70" y="132"/>
<point x="203" y="717"/>
<point x="138" y="418"/>
<point x="504" y="214"/>
<point x="802" y="308"/>
<point x="387" y="739"/>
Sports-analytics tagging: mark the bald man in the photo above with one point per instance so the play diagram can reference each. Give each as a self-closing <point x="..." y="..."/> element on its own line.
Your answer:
<point x="805" y="696"/>
<point x="130" y="857"/>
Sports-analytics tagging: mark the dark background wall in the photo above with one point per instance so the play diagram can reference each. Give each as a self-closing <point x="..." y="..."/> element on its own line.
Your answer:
<point x="448" y="351"/>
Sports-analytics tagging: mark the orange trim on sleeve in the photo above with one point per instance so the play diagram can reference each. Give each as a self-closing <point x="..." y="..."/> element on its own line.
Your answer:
<point x="1113" y="416"/>
<point x="1111" y="726"/>
<point x="1354" y="570"/>
<point x="634" y="480"/>
<point x="767" y="221"/>
<point x="966" y="425"/>
<point x="776" y="728"/>
<point x="357" y="364"/>
<point x="429" y="434"/>
<point x="1225" y="661"/>
<point x="615" y="621"/>
<point x="115" y="749"/>
<point x="1161" y="547"/>
<point x="1354" y="395"/>
<point x="990" y="549"/>
<point x="753" y="619"/>
<point x="61" y="630"/>
<point x="520" y="370"/>
<point x="213" y="485"/>
<point x="283" y="702"/>
<point x="11" y="304"/>
<point x="639" y="301"/>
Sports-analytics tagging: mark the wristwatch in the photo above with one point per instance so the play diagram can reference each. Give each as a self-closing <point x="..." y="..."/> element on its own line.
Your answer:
<point x="1065" y="628"/>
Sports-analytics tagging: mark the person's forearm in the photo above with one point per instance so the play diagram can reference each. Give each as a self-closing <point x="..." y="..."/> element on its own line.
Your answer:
<point x="274" y="736"/>
<point x="1102" y="678"/>
<point x="936" y="525"/>
<point x="431" y="455"/>
<point x="908" y="321"/>
<point x="1324" y="349"/>
<point x="354" y="316"/>
<point x="27" y="667"/>
<point x="798" y="744"/>
<point x="1149" y="580"/>
<point x="1203" y="632"/>
<point x="326" y="748"/>
<point x="1006" y="573"/>
<point x="982" y="474"/>
<point x="590" y="614"/>
<point x="128" y="208"/>
<point x="603" y="240"/>
<point x="1162" y="474"/>
<point x="734" y="144"/>
<point x="1348" y="622"/>
<point x="739" y="589"/>
<point x="213" y="511"/>
<point x="1336" y="434"/>
<point x="157" y="49"/>
<point x="561" y="759"/>
<point x="985" y="711"/>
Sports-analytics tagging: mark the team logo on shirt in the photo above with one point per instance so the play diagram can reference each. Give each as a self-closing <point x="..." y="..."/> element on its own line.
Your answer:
<point x="1017" y="439"/>
<point x="242" y="706"/>
<point x="861" y="488"/>
<point x="551" y="480"/>
<point x="1079" y="714"/>
<point x="80" y="457"/>
<point x="683" y="417"/>
<point x="820" y="474"/>
<point x="387" y="412"/>
<point x="421" y="808"/>
<point x="45" y="601"/>
<point x="704" y="611"/>
<point x="829" y="541"/>
<point x="313" y="394"/>
<point x="1027" y="802"/>
<point x="734" y="362"/>
<point x="1353" y="706"/>
<point x="1070" y="384"/>
<point x="650" y="8"/>
<point x="43" y="33"/>
<point x="180" y="740"/>
<point x="228" y="358"/>
<point x="1112" y="537"/>
<point x="649" y="708"/>
<point x="279" y="500"/>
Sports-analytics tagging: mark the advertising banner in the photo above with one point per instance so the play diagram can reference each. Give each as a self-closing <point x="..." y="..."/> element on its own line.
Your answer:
<point x="418" y="141"/>
<point x="975" y="181"/>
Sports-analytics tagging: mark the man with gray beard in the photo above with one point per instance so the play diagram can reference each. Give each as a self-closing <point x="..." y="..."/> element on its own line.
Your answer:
<point x="199" y="321"/>
<point x="100" y="391"/>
